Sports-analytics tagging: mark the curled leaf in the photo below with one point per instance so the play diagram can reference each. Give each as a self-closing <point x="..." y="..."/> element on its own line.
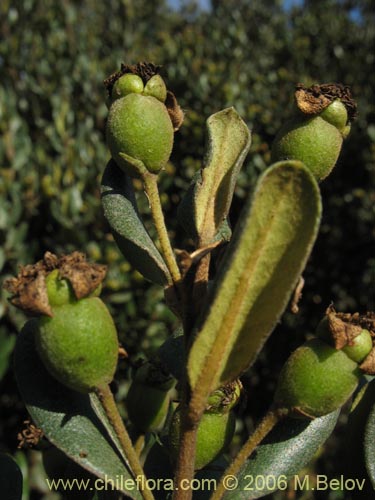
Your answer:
<point x="205" y="207"/>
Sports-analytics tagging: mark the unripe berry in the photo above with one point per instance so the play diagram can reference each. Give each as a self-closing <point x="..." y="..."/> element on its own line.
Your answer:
<point x="78" y="345"/>
<point x="315" y="134"/>
<point x="216" y="427"/>
<point x="359" y="347"/>
<point x="59" y="290"/>
<point x="147" y="401"/>
<point x="316" y="379"/>
<point x="336" y="115"/>
<point x="337" y="330"/>
<point x="139" y="128"/>
<point x="127" y="84"/>
<point x="314" y="141"/>
<point x="215" y="432"/>
<point x="156" y="87"/>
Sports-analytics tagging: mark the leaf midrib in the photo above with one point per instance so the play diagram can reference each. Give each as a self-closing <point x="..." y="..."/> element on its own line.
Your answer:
<point x="223" y="340"/>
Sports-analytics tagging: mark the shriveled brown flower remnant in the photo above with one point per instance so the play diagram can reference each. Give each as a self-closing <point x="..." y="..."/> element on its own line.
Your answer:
<point x="313" y="100"/>
<point x="29" y="436"/>
<point x="29" y="291"/>
<point x="345" y="327"/>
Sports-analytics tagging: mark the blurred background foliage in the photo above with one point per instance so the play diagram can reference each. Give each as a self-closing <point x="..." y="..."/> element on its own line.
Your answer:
<point x="247" y="54"/>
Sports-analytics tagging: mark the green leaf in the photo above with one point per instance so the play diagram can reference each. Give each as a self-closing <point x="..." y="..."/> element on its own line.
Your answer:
<point x="358" y="450"/>
<point x="120" y="210"/>
<point x="263" y="262"/>
<point x="205" y="207"/>
<point x="369" y="435"/>
<point x="6" y="348"/>
<point x="287" y="449"/>
<point x="66" y="417"/>
<point x="10" y="478"/>
<point x="172" y="354"/>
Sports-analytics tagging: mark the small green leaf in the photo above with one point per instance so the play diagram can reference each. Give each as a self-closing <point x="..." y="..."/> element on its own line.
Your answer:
<point x="10" y="478"/>
<point x="172" y="354"/>
<point x="66" y="417"/>
<point x="120" y="210"/>
<point x="369" y="436"/>
<point x="6" y="348"/>
<point x="263" y="262"/>
<point x="158" y="467"/>
<point x="358" y="452"/>
<point x="206" y="204"/>
<point x="287" y="449"/>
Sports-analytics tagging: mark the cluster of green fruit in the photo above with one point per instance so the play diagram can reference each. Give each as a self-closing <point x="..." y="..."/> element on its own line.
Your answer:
<point x="139" y="126"/>
<point x="76" y="337"/>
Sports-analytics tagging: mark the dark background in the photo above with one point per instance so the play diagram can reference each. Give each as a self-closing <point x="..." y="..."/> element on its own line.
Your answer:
<point x="247" y="54"/>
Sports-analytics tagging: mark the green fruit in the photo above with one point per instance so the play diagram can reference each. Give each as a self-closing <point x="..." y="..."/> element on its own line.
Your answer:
<point x="78" y="345"/>
<point x="139" y="127"/>
<point x="316" y="379"/>
<point x="336" y="115"/>
<point x="214" y="434"/>
<point x="59" y="290"/>
<point x="127" y="84"/>
<point x="314" y="141"/>
<point x="224" y="398"/>
<point x="148" y="399"/>
<point x="360" y="347"/>
<point x="155" y="87"/>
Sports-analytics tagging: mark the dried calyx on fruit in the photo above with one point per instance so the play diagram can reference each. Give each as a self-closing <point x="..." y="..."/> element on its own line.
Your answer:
<point x="148" y="399"/>
<point x="216" y="427"/>
<point x="75" y="335"/>
<point x="316" y="132"/>
<point x="322" y="374"/>
<point x="143" y="116"/>
<point x="353" y="333"/>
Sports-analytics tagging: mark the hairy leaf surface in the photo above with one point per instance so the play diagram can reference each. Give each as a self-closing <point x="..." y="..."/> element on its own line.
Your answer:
<point x="287" y="449"/>
<point x="264" y="260"/>
<point x="369" y="435"/>
<point x="120" y="210"/>
<point x="205" y="207"/>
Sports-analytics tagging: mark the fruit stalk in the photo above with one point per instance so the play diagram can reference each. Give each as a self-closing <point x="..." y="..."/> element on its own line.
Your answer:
<point x="152" y="192"/>
<point x="109" y="405"/>
<point x="272" y="417"/>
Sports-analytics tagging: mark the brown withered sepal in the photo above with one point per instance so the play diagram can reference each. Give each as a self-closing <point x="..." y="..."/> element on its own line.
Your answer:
<point x="175" y="112"/>
<point x="313" y="100"/>
<point x="344" y="327"/>
<point x="29" y="291"/>
<point x="368" y="365"/>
